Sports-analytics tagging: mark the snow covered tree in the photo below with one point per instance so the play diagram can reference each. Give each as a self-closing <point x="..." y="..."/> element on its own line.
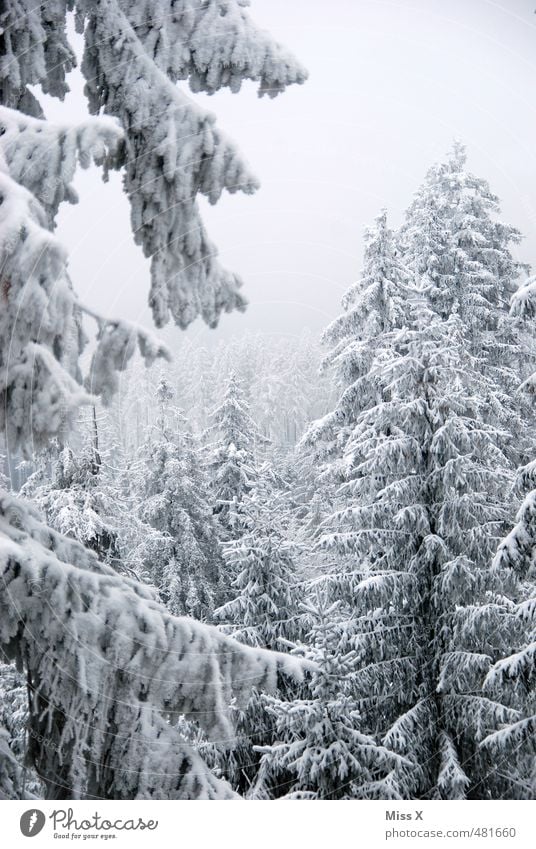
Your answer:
<point x="455" y="243"/>
<point x="373" y="307"/>
<point x="180" y="551"/>
<point x="280" y="382"/>
<point x="321" y="751"/>
<point x="170" y="152"/>
<point x="515" y="674"/>
<point x="11" y="774"/>
<point x="260" y="564"/>
<point x="14" y="731"/>
<point x="109" y="671"/>
<point x="232" y="459"/>
<point x="420" y="441"/>
<point x="41" y="333"/>
<point x="426" y="503"/>
<point x="261" y="570"/>
<point x="79" y="502"/>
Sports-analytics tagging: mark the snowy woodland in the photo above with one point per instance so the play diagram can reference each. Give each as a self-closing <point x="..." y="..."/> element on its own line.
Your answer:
<point x="291" y="568"/>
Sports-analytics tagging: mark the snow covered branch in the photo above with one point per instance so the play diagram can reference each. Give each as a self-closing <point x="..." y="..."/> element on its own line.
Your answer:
<point x="108" y="666"/>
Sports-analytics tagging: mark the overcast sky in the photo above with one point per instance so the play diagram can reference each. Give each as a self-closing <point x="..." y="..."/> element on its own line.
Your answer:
<point x="391" y="84"/>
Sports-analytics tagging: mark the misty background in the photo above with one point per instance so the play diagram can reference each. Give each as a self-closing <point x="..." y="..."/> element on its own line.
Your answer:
<point x="391" y="85"/>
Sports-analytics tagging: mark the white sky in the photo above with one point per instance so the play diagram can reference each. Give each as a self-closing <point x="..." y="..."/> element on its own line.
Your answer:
<point x="391" y="84"/>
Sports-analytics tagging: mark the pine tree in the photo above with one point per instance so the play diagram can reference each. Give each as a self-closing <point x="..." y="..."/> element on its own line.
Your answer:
<point x="260" y="562"/>
<point x="321" y="751"/>
<point x="232" y="458"/>
<point x="100" y="718"/>
<point x="515" y="674"/>
<point x="179" y="552"/>
<point x="14" y="728"/>
<point x="455" y="243"/>
<point x="110" y="671"/>
<point x="170" y="152"/>
<point x="261" y="612"/>
<point x="422" y="446"/>
<point x="360" y="338"/>
<point x="11" y="774"/>
<point x="425" y="494"/>
<point x="79" y="501"/>
<point x="373" y="307"/>
<point x="41" y="335"/>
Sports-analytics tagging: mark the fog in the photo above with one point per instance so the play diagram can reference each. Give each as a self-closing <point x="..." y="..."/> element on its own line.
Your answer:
<point x="391" y="85"/>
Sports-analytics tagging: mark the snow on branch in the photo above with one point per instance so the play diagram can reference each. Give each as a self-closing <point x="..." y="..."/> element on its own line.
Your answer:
<point x="452" y="781"/>
<point x="11" y="773"/>
<point x="213" y="44"/>
<point x="41" y="335"/>
<point x="173" y="153"/>
<point x="516" y="551"/>
<point x="38" y="317"/>
<point x="522" y="733"/>
<point x="523" y="306"/>
<point x="523" y="302"/>
<point x="170" y="149"/>
<point x="35" y="51"/>
<point x="43" y="156"/>
<point x="109" y="667"/>
<point x="520" y="665"/>
<point x="117" y="341"/>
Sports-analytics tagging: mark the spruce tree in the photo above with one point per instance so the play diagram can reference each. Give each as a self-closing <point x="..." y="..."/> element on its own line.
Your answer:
<point x="170" y="152"/>
<point x="322" y="752"/>
<point x="55" y="591"/>
<point x="514" y="675"/>
<point x="260" y="564"/>
<point x="428" y="489"/>
<point x="180" y="553"/>
<point x="232" y="457"/>
<point x="425" y="451"/>
<point x="81" y="500"/>
<point x="373" y="307"/>
<point x="456" y="244"/>
<point x="261" y="613"/>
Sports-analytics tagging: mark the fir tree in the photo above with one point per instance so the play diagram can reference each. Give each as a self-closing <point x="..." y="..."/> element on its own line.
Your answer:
<point x="515" y="674"/>
<point x="373" y="307"/>
<point x="321" y="751"/>
<point x="425" y="456"/>
<point x="455" y="243"/>
<point x="260" y="563"/>
<point x="170" y="152"/>
<point x="426" y="484"/>
<point x="233" y="457"/>
<point x="55" y="593"/>
<point x="14" y="729"/>
<point x="79" y="501"/>
<point x="262" y="612"/>
<point x="110" y="671"/>
<point x="180" y="553"/>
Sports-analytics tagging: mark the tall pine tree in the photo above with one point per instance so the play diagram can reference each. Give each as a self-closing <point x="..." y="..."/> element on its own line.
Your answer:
<point x="232" y="460"/>
<point x="425" y="448"/>
<point x="180" y="553"/>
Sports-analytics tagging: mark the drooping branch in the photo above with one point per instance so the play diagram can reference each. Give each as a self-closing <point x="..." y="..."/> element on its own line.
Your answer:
<point x="110" y="671"/>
